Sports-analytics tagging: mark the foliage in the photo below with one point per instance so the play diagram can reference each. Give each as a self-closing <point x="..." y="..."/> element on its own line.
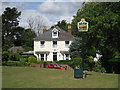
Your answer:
<point x="62" y="24"/>
<point x="12" y="34"/>
<point x="11" y="63"/>
<point x="32" y="59"/>
<point x="27" y="39"/>
<point x="9" y="23"/>
<point x="24" y="61"/>
<point x="5" y="56"/>
<point x="98" y="67"/>
<point x="14" y="63"/>
<point x="104" y="31"/>
<point x="14" y="56"/>
<point x="76" y="62"/>
<point x="42" y="62"/>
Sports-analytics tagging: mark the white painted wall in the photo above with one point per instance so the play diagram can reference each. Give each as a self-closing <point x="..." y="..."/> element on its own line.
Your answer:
<point x="49" y="47"/>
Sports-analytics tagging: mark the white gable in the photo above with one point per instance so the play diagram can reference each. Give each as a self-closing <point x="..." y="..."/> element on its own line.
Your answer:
<point x="55" y="33"/>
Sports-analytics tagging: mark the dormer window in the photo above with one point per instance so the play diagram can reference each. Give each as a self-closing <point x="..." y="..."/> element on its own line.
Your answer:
<point x="54" y="33"/>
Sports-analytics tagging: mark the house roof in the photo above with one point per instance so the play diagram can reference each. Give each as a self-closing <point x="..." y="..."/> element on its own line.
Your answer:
<point x="16" y="49"/>
<point x="47" y="36"/>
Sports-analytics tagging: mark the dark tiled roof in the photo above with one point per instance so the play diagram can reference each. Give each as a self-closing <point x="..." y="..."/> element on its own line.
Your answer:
<point x="15" y="49"/>
<point x="47" y="36"/>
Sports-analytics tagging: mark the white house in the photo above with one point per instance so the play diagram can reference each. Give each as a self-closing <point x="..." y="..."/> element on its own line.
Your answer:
<point x="53" y="45"/>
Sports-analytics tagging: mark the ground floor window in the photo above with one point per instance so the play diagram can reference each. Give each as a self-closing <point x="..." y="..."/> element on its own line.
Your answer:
<point x="67" y="56"/>
<point x="42" y="57"/>
<point x="54" y="56"/>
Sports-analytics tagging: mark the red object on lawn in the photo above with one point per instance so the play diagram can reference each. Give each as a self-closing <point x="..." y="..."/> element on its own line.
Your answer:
<point x="56" y="66"/>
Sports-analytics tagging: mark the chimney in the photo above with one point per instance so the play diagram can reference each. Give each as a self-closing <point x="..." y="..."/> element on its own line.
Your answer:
<point x="69" y="29"/>
<point x="44" y="29"/>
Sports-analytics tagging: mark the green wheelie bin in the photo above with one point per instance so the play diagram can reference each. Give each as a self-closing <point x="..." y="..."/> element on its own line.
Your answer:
<point x="78" y="73"/>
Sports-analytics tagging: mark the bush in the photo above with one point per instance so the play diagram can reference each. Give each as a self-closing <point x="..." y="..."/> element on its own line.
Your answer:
<point x="5" y="56"/>
<point x="32" y="59"/>
<point x="63" y="61"/>
<point x="23" y="60"/>
<point x="42" y="62"/>
<point x="98" y="67"/>
<point x="4" y="63"/>
<point x="14" y="63"/>
<point x="76" y="62"/>
<point x="14" y="56"/>
<point x="24" y="56"/>
<point x="11" y="63"/>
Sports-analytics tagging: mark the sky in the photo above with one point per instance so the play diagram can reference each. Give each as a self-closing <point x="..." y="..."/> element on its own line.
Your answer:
<point x="50" y="12"/>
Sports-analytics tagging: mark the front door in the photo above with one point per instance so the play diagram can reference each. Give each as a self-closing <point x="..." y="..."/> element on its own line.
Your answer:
<point x="54" y="56"/>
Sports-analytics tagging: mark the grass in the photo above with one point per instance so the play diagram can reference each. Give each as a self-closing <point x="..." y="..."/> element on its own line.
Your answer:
<point x="33" y="77"/>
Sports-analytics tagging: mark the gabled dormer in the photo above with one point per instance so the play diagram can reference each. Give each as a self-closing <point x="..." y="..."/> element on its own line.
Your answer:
<point x="55" y="33"/>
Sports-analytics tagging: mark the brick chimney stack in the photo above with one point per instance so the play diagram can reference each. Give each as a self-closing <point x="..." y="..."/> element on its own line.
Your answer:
<point x="69" y="29"/>
<point x="44" y="29"/>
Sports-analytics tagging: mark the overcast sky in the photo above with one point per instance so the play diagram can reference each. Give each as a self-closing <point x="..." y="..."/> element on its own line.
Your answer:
<point x="51" y="12"/>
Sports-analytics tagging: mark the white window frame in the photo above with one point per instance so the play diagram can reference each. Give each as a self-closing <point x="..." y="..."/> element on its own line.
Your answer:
<point x="67" y="57"/>
<point x="53" y="33"/>
<point x="42" y="45"/>
<point x="54" y="45"/>
<point x="42" y="58"/>
<point x="67" y="45"/>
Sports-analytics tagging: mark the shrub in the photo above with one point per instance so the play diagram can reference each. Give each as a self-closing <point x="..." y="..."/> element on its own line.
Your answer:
<point x="42" y="62"/>
<point x="98" y="67"/>
<point x="14" y="56"/>
<point x="14" y="63"/>
<point x="11" y="63"/>
<point x="32" y="59"/>
<point x="63" y="61"/>
<point x="24" y="56"/>
<point x="76" y="62"/>
<point x="4" y="63"/>
<point x="5" y="56"/>
<point x="21" y="63"/>
<point x="23" y="60"/>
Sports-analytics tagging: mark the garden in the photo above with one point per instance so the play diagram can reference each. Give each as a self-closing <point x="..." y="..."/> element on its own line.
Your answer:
<point x="15" y="59"/>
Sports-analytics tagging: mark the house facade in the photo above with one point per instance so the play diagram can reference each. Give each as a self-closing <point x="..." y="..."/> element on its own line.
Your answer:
<point x="53" y="45"/>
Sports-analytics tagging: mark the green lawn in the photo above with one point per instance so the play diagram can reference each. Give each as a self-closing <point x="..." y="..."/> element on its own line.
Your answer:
<point x="33" y="77"/>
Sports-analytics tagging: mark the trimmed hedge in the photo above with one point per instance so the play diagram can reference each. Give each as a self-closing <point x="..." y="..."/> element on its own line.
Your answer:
<point x="14" y="63"/>
<point x="44" y="62"/>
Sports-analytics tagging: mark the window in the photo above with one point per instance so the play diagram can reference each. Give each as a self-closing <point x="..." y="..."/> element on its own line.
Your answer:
<point x="42" y="57"/>
<point x="42" y="44"/>
<point x="54" y="33"/>
<point x="66" y="44"/>
<point x="67" y="56"/>
<point x="54" y="56"/>
<point x="54" y="44"/>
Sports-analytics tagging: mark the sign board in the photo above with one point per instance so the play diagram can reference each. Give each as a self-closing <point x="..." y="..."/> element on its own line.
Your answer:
<point x="82" y="26"/>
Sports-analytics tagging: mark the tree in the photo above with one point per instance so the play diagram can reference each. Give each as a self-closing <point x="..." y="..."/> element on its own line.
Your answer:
<point x="10" y="20"/>
<point x="62" y="24"/>
<point x="104" y="31"/>
<point x="75" y="48"/>
<point x="26" y="39"/>
<point x="36" y="23"/>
